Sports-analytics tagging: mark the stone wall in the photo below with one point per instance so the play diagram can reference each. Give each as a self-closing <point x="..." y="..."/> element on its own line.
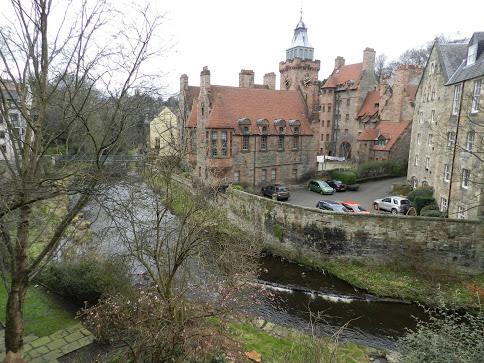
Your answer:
<point x="434" y="242"/>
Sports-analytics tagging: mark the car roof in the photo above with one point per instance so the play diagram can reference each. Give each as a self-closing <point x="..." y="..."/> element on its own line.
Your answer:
<point x="350" y="202"/>
<point x="329" y="201"/>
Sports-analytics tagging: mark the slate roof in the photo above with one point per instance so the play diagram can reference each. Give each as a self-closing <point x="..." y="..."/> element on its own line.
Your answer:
<point x="341" y="76"/>
<point x="465" y="72"/>
<point x="229" y="104"/>
<point x="451" y="56"/>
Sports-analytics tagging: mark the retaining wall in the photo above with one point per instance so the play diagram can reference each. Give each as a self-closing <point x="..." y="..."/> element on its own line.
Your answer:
<point x="435" y="242"/>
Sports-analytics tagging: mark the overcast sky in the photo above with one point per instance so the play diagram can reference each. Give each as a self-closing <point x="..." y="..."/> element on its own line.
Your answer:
<point x="227" y="35"/>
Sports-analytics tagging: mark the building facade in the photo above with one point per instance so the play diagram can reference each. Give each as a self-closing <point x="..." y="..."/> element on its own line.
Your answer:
<point x="385" y="117"/>
<point x="447" y="135"/>
<point x="341" y="98"/>
<point x="254" y="134"/>
<point x="163" y="137"/>
<point x="12" y="123"/>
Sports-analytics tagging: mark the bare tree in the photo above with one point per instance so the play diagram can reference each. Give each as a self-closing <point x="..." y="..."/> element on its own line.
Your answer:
<point x="83" y="68"/>
<point x="380" y="63"/>
<point x="194" y="270"/>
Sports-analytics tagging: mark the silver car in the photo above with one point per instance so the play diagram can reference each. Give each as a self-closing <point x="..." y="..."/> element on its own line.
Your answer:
<point x="393" y="204"/>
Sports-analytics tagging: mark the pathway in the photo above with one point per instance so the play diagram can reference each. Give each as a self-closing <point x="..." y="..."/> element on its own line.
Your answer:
<point x="48" y="348"/>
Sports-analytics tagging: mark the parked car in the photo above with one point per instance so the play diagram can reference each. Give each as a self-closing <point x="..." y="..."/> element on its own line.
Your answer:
<point x="354" y="207"/>
<point x="392" y="204"/>
<point x="320" y="186"/>
<point x="331" y="205"/>
<point x="281" y="191"/>
<point x="337" y="185"/>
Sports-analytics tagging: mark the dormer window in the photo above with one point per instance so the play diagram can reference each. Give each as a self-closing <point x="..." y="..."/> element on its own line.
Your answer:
<point x="381" y="141"/>
<point x="472" y="54"/>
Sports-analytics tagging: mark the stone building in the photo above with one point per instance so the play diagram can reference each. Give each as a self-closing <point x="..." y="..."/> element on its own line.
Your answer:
<point x="163" y="135"/>
<point x="385" y="117"/>
<point x="12" y="123"/>
<point x="447" y="134"/>
<point x="254" y="134"/>
<point x="341" y="98"/>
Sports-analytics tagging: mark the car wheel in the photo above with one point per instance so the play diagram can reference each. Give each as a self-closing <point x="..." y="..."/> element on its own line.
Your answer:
<point x="375" y="206"/>
<point x="394" y="211"/>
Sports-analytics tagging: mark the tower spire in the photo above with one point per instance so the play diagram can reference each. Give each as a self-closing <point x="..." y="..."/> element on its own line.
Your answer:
<point x="300" y="47"/>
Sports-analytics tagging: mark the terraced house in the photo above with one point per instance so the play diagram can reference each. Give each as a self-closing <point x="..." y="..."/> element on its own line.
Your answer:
<point x="448" y="128"/>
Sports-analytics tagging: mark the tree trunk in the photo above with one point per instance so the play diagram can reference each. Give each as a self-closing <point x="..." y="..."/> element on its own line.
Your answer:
<point x="14" y="325"/>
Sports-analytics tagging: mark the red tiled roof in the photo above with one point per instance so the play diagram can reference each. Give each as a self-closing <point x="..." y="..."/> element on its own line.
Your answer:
<point x="368" y="108"/>
<point x="192" y="119"/>
<point x="389" y="129"/>
<point x="350" y="72"/>
<point x="392" y="132"/>
<point x="368" y="135"/>
<point x="233" y="103"/>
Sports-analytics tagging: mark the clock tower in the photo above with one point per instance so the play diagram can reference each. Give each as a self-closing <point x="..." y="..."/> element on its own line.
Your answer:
<point x="300" y="70"/>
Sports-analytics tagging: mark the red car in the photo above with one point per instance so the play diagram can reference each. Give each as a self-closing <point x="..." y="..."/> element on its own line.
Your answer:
<point x="354" y="207"/>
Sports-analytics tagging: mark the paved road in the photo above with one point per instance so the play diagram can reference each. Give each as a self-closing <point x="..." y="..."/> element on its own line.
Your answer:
<point x="367" y="193"/>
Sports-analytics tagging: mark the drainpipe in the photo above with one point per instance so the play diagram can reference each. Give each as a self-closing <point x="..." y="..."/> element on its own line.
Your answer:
<point x="253" y="167"/>
<point x="455" y="148"/>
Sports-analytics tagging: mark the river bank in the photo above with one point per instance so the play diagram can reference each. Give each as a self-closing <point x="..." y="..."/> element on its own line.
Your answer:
<point x="425" y="286"/>
<point x="420" y="283"/>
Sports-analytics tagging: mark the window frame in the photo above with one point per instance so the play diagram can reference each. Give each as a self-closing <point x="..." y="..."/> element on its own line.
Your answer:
<point x="223" y="143"/>
<point x="470" y="140"/>
<point x="456" y="99"/>
<point x="450" y="139"/>
<point x="446" y="173"/>
<point x="213" y="143"/>
<point x="443" y="205"/>
<point x="461" y="212"/>
<point x="245" y="142"/>
<point x="476" y="95"/>
<point x="465" y="178"/>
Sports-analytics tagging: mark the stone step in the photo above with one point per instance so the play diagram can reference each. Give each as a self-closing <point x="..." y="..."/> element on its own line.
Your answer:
<point x="62" y="342"/>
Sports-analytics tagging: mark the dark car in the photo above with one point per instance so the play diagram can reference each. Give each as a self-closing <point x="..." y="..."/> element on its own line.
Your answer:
<point x="331" y="205"/>
<point x="281" y="191"/>
<point x="337" y="185"/>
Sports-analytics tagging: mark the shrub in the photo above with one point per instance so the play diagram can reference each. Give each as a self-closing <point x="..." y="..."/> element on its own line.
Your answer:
<point x="431" y="213"/>
<point x="424" y="192"/>
<point x="447" y="336"/>
<point x="88" y="279"/>
<point x="374" y="168"/>
<point x="237" y="187"/>
<point x="346" y="176"/>
<point x="423" y="201"/>
<point x="401" y="189"/>
<point x="278" y="232"/>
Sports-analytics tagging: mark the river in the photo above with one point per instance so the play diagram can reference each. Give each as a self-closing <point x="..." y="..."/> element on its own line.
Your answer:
<point x="294" y="291"/>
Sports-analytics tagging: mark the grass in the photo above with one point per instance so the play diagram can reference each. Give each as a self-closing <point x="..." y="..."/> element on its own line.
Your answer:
<point x="296" y="348"/>
<point x="42" y="315"/>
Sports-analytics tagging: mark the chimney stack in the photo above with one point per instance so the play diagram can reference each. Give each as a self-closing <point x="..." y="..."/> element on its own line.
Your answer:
<point x="205" y="78"/>
<point x="183" y="82"/>
<point x="369" y="59"/>
<point x="246" y="78"/>
<point x="339" y="62"/>
<point x="270" y="80"/>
